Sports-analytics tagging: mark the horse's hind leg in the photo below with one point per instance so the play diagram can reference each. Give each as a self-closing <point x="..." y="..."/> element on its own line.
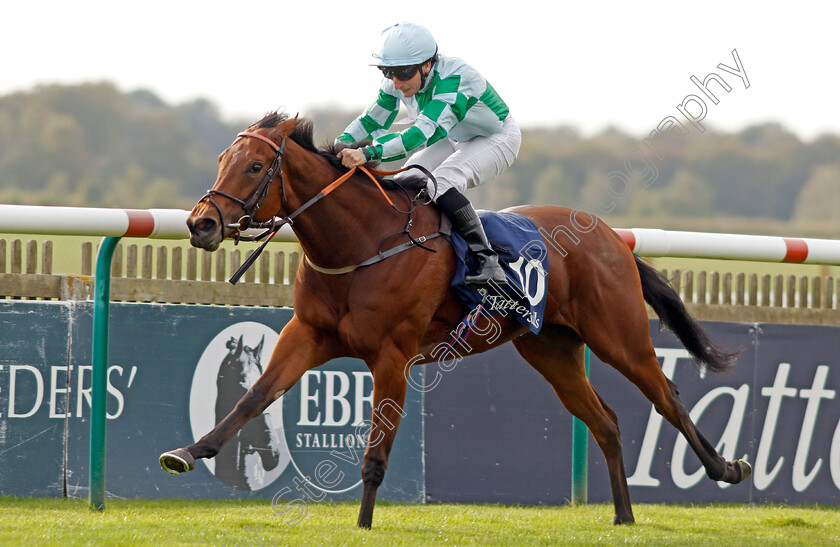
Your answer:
<point x="627" y="347"/>
<point x="716" y="466"/>
<point x="557" y="354"/>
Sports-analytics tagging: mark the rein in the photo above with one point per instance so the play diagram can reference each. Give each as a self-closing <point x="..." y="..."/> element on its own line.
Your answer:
<point x="253" y="203"/>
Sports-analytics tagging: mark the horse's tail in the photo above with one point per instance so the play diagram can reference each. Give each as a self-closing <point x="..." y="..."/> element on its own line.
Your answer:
<point x="671" y="311"/>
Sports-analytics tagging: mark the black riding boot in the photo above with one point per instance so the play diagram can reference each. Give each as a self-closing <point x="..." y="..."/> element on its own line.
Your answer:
<point x="465" y="220"/>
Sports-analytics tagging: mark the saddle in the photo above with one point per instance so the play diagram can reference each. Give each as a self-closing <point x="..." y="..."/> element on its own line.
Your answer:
<point x="522" y="254"/>
<point x="519" y="245"/>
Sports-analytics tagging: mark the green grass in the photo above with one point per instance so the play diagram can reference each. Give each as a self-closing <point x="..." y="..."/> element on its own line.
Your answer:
<point x="31" y="521"/>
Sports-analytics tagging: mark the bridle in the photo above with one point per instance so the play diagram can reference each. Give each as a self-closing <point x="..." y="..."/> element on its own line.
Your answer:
<point x="253" y="203"/>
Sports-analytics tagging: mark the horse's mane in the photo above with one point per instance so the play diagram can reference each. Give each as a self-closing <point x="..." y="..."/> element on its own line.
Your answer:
<point x="303" y="136"/>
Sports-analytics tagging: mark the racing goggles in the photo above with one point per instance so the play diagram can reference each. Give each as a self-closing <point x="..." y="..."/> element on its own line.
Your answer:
<point x="402" y="73"/>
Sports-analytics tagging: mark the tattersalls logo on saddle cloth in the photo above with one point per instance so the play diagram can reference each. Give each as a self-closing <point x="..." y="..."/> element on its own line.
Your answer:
<point x="523" y="256"/>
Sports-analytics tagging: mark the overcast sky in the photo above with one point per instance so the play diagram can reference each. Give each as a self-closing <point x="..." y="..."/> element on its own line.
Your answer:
<point x="584" y="63"/>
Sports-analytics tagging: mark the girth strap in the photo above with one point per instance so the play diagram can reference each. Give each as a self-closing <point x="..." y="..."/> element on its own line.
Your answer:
<point x="379" y="257"/>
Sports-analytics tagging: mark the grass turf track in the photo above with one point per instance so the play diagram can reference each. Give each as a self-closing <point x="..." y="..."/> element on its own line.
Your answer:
<point x="28" y="521"/>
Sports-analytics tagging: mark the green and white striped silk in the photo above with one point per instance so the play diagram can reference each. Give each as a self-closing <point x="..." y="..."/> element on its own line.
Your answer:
<point x="457" y="102"/>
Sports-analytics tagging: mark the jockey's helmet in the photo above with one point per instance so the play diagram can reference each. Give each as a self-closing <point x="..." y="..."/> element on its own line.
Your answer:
<point x="405" y="44"/>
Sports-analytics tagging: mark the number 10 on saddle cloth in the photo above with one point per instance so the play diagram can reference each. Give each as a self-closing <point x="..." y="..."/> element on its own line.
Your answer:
<point x="523" y="255"/>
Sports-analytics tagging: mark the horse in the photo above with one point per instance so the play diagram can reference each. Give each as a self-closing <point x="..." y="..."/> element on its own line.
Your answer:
<point x="393" y="313"/>
<point x="236" y="462"/>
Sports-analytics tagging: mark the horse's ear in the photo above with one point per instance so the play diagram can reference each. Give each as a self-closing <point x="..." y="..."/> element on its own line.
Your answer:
<point x="288" y="126"/>
<point x="238" y="351"/>
<point x="258" y="349"/>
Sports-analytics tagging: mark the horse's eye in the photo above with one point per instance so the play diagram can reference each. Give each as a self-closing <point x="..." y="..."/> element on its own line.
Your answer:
<point x="256" y="168"/>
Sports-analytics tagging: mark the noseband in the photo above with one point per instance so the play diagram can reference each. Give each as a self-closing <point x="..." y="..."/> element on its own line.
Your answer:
<point x="252" y="204"/>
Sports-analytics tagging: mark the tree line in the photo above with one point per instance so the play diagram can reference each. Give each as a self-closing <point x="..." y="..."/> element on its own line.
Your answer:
<point x="93" y="145"/>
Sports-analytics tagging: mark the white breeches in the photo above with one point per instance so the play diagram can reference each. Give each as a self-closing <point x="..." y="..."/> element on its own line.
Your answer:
<point x="467" y="164"/>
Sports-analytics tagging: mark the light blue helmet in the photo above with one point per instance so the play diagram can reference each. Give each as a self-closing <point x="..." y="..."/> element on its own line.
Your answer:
<point x="406" y="44"/>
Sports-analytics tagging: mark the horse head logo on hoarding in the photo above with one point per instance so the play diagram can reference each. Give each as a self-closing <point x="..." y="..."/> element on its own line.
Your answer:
<point x="258" y="454"/>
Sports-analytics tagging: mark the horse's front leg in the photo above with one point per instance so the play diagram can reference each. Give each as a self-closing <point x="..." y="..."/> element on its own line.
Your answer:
<point x="389" y="388"/>
<point x="299" y="348"/>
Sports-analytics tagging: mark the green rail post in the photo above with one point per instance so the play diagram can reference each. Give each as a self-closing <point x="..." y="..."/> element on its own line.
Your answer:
<point x="99" y="376"/>
<point x="580" y="451"/>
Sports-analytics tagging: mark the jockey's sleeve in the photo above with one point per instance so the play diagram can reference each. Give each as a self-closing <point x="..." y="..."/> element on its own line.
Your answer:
<point x="374" y="122"/>
<point x="455" y="93"/>
<point x="442" y="105"/>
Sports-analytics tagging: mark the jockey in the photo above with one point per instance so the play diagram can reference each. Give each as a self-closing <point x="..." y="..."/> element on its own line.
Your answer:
<point x="460" y="131"/>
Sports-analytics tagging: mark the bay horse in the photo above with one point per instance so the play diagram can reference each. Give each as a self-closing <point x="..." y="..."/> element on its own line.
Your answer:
<point x="393" y="313"/>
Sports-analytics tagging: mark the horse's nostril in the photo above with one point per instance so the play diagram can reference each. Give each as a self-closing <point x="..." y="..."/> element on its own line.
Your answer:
<point x="203" y="226"/>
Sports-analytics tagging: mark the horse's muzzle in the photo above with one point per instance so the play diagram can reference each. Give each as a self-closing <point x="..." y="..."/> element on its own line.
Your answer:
<point x="205" y="233"/>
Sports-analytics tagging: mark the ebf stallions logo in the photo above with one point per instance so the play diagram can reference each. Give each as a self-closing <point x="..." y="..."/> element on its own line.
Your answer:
<point x="317" y="426"/>
<point x="327" y="424"/>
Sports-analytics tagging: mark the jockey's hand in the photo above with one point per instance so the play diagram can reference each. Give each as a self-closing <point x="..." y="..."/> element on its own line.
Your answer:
<point x="351" y="157"/>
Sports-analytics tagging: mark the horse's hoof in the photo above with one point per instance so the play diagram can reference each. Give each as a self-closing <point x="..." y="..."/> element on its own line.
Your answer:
<point x="623" y="519"/>
<point x="177" y="461"/>
<point x="746" y="469"/>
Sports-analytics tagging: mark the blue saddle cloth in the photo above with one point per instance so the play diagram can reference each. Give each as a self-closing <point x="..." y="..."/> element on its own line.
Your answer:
<point x="524" y="258"/>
